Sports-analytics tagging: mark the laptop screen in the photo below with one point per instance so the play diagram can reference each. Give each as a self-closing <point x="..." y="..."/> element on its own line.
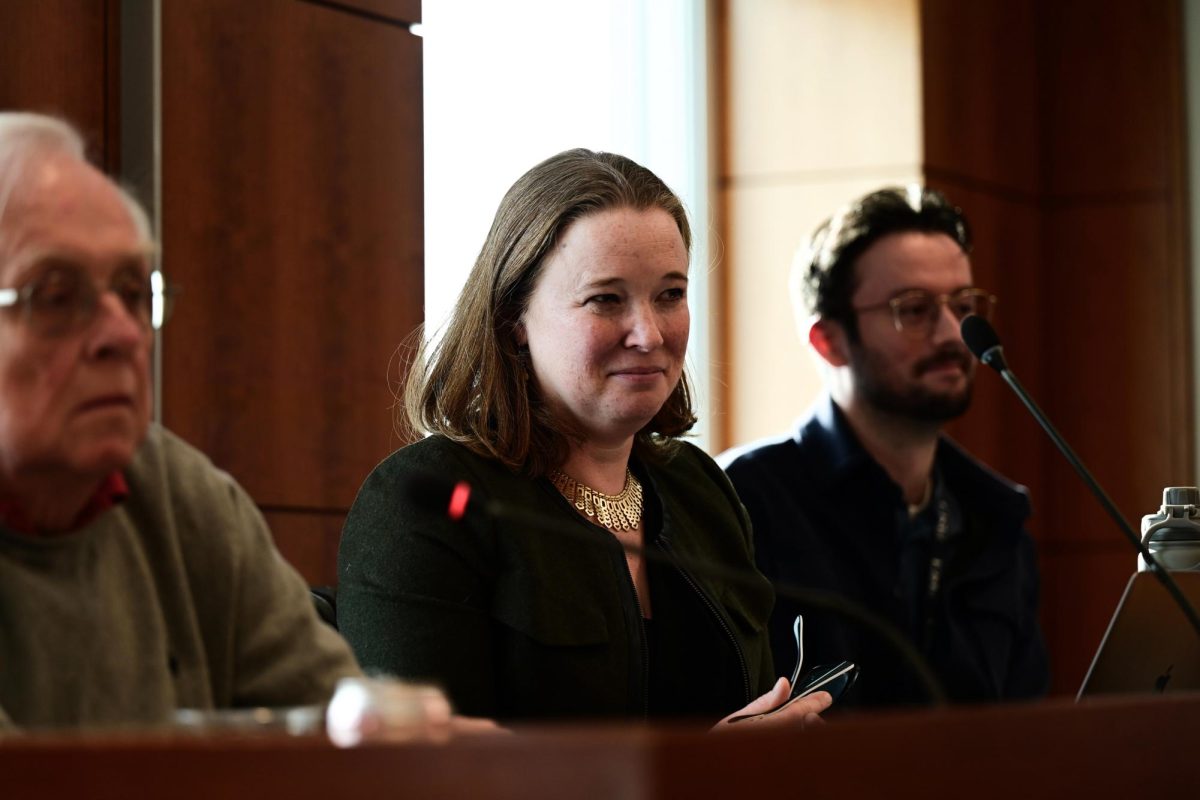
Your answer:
<point x="1149" y="647"/>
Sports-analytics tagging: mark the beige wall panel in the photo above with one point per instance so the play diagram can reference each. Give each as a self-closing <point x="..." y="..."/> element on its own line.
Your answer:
<point x="808" y="86"/>
<point x="771" y="376"/>
<point x="815" y="81"/>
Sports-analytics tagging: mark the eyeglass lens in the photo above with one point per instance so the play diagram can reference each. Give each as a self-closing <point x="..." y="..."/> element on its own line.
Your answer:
<point x="919" y="311"/>
<point x="63" y="297"/>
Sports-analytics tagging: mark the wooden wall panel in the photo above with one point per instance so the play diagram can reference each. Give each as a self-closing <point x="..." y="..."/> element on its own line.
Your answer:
<point x="1007" y="235"/>
<point x="980" y="80"/>
<point x="404" y="11"/>
<point x="1095" y="312"/>
<point x="292" y="166"/>
<point x="309" y="542"/>
<point x="1112" y="76"/>
<point x="1115" y="239"/>
<point x="1114" y="365"/>
<point x="1081" y="587"/>
<point x="60" y="57"/>
<point x="292" y="219"/>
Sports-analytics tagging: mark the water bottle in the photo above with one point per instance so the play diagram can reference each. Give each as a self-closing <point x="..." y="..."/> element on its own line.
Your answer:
<point x="1173" y="534"/>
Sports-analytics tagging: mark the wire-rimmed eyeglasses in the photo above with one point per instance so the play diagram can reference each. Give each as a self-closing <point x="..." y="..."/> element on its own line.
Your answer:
<point x="915" y="312"/>
<point x="63" y="298"/>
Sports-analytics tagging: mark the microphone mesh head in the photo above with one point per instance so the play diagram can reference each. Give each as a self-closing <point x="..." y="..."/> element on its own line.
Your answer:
<point x="453" y="498"/>
<point x="978" y="335"/>
<point x="432" y="492"/>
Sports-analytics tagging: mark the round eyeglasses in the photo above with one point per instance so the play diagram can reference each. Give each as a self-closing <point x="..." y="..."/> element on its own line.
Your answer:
<point x="63" y="298"/>
<point x="915" y="312"/>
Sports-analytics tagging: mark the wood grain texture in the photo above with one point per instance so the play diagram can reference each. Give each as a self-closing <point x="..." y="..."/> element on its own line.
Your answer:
<point x="1081" y="587"/>
<point x="1112" y="109"/>
<point x="1118" y="747"/>
<point x="1095" y="311"/>
<point x="1112" y="362"/>
<point x="997" y="430"/>
<point x="59" y="57"/>
<point x="400" y="11"/>
<point x="980" y="93"/>
<point x="292" y="182"/>
<point x="308" y="540"/>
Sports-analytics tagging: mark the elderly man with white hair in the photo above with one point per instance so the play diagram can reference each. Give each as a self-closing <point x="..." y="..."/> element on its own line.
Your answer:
<point x="135" y="577"/>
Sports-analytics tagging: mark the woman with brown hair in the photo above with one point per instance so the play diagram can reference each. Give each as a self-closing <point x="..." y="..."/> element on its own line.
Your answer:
<point x="558" y="388"/>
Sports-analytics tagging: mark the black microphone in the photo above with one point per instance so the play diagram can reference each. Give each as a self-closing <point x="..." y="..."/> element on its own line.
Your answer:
<point x="459" y="501"/>
<point x="982" y="340"/>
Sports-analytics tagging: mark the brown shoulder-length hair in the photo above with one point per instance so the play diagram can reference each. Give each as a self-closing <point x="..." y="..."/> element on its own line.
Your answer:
<point x="473" y="385"/>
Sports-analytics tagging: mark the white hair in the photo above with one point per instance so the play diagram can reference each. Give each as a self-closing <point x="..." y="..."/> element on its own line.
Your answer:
<point x="26" y="137"/>
<point x="25" y="131"/>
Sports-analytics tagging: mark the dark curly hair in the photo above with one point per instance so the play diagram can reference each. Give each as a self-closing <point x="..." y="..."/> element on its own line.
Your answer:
<point x="823" y="277"/>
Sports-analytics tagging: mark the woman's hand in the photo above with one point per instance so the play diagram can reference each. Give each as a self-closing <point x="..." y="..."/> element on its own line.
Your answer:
<point x="798" y="713"/>
<point x="474" y="726"/>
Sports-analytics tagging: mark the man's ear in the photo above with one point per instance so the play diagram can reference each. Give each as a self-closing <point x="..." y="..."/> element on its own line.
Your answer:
<point x="828" y="338"/>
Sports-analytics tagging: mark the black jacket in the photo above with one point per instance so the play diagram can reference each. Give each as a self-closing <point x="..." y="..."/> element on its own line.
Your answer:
<point x="531" y="613"/>
<point x="827" y="516"/>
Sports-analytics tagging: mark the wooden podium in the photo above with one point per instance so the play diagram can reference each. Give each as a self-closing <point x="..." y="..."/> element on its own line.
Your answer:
<point x="1121" y="747"/>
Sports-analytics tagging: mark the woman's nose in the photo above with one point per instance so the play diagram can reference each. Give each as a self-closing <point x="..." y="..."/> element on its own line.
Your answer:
<point x="645" y="332"/>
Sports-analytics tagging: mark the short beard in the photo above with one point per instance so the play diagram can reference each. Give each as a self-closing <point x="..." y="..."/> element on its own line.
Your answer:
<point x="914" y="403"/>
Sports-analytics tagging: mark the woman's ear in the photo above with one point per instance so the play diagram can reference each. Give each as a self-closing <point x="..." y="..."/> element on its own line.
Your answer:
<point x="519" y="332"/>
<point x="828" y="338"/>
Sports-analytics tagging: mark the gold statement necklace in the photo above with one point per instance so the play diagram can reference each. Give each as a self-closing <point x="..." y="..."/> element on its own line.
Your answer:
<point x="617" y="512"/>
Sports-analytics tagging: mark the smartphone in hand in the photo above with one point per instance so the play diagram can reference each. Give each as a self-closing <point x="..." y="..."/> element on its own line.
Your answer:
<point x="835" y="679"/>
<point x="832" y="678"/>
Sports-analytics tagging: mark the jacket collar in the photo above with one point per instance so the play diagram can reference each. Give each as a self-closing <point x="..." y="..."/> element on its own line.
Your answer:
<point x="827" y="435"/>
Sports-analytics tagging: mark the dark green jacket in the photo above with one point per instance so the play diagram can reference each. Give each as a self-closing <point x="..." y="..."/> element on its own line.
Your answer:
<point x="525" y="621"/>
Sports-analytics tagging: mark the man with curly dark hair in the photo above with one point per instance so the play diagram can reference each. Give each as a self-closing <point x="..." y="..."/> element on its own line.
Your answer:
<point x="867" y="498"/>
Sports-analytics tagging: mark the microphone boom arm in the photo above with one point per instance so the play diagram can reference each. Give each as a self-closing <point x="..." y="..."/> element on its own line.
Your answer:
<point x="1109" y="506"/>
<point x="981" y="339"/>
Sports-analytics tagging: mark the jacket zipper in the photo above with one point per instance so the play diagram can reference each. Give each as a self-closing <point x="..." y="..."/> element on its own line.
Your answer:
<point x="737" y="648"/>
<point x="645" y="647"/>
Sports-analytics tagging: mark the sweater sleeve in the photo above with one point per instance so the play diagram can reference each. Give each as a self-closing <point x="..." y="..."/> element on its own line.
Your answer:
<point x="243" y="620"/>
<point x="283" y="653"/>
<point x="413" y="594"/>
